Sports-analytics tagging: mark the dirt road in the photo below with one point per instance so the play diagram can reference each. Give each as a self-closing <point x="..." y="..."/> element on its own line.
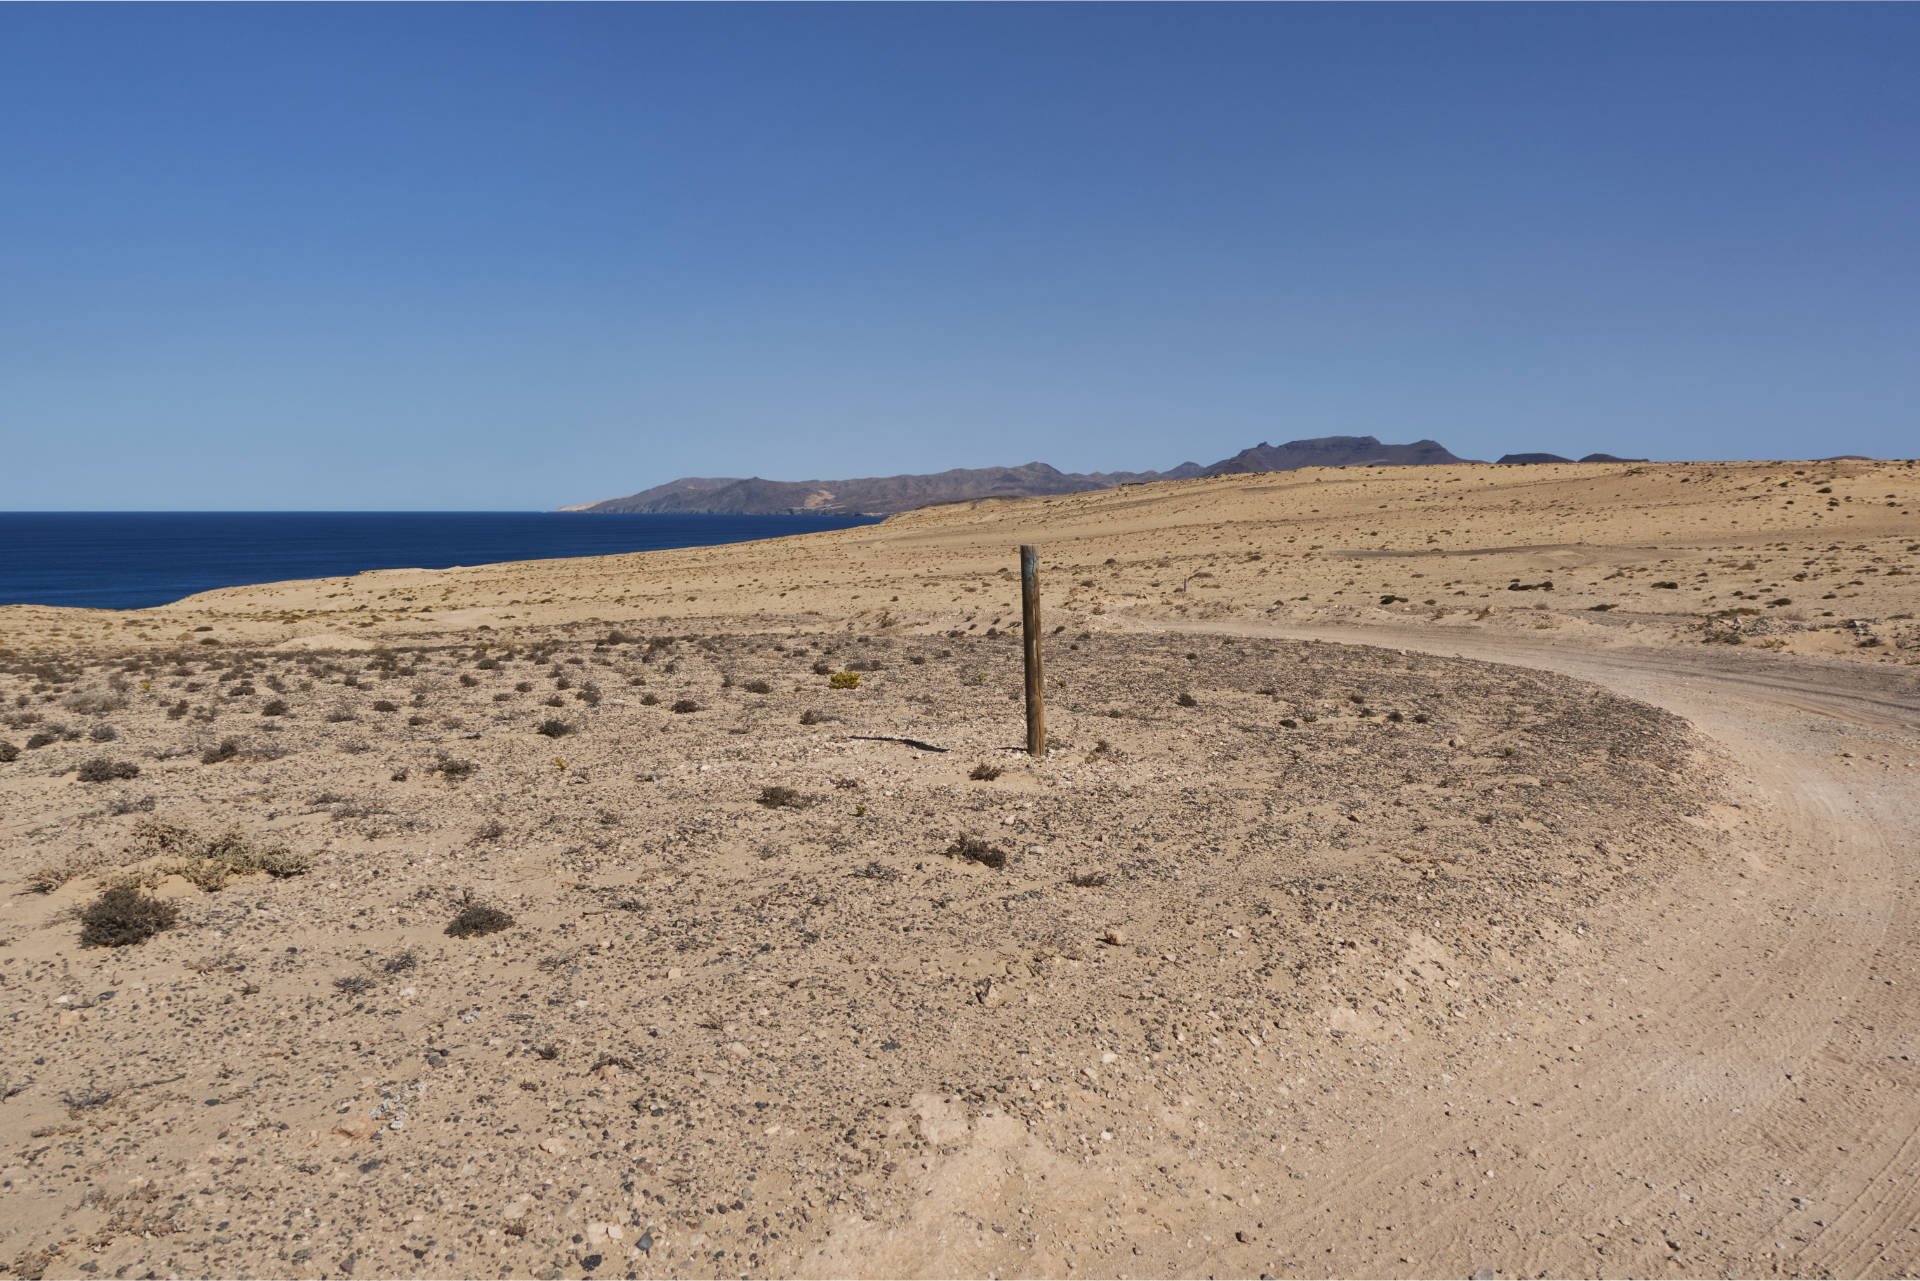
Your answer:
<point x="1736" y="1087"/>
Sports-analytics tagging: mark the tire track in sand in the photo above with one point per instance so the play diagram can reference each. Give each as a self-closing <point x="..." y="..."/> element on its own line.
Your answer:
<point x="1734" y="1090"/>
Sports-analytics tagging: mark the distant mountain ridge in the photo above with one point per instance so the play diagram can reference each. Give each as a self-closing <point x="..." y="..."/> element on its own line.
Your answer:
<point x="1556" y="458"/>
<point x="886" y="495"/>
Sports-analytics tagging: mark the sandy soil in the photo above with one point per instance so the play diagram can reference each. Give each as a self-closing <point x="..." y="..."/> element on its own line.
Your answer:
<point x="1478" y="931"/>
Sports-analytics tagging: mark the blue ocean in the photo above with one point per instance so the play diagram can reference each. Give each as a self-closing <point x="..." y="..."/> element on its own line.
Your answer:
<point x="130" y="560"/>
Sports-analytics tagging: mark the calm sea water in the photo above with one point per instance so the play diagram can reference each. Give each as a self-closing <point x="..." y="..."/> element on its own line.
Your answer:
<point x="129" y="560"/>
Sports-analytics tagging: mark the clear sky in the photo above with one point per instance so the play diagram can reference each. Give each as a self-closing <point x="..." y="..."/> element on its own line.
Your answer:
<point x="371" y="256"/>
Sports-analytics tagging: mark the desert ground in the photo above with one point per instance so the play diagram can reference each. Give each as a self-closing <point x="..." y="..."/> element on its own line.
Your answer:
<point x="1442" y="871"/>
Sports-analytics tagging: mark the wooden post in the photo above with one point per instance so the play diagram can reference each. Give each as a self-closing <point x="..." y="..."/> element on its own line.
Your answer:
<point x="1030" y="634"/>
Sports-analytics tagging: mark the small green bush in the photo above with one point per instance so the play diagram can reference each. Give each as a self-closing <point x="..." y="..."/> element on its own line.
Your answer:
<point x="844" y="680"/>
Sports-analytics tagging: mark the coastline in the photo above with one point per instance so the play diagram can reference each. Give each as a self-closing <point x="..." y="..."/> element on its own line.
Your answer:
<point x="119" y="560"/>
<point x="1648" y="554"/>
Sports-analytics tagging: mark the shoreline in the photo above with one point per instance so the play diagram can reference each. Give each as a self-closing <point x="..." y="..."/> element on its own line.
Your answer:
<point x="61" y="553"/>
<point x="1804" y="558"/>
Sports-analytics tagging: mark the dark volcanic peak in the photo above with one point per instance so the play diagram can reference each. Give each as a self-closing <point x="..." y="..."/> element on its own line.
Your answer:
<point x="1333" y="451"/>
<point x="1556" y="458"/>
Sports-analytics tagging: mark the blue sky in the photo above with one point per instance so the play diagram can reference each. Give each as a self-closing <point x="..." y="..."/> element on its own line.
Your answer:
<point x="511" y="257"/>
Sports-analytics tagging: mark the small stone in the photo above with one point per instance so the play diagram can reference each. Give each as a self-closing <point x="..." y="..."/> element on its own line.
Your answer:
<point x="1114" y="936"/>
<point x="361" y="1128"/>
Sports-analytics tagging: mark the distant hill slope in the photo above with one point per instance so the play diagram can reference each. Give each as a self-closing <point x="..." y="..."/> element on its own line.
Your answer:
<point x="870" y="495"/>
<point x="885" y="495"/>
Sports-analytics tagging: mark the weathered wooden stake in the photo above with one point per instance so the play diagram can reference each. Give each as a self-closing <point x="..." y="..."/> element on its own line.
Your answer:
<point x="1030" y="633"/>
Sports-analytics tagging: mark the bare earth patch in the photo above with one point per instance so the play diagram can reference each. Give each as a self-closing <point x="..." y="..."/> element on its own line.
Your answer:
<point x="715" y="1021"/>
<point x="693" y="913"/>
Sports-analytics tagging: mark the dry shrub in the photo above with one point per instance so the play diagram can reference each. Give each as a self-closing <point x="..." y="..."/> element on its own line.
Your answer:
<point x="154" y="836"/>
<point x="123" y="916"/>
<point x="974" y="850"/>
<point x="49" y="877"/>
<point x="477" y="919"/>
<point x="225" y="750"/>
<point x="208" y="864"/>
<point x="102" y="770"/>
<point x="775" y="798"/>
